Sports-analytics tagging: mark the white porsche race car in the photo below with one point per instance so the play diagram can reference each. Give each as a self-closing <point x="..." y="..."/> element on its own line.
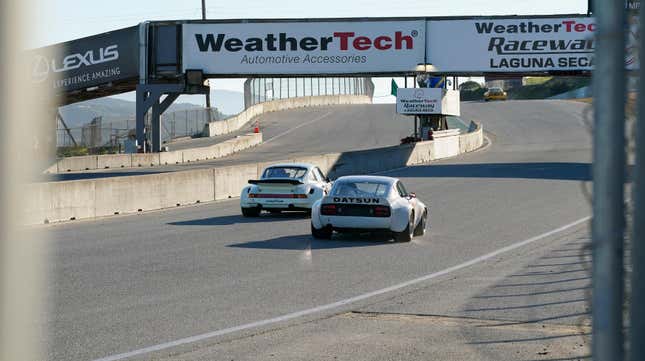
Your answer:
<point x="284" y="187"/>
<point x="369" y="204"/>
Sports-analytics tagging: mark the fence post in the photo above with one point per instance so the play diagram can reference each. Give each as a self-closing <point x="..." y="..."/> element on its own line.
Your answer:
<point x="608" y="181"/>
<point x="637" y="306"/>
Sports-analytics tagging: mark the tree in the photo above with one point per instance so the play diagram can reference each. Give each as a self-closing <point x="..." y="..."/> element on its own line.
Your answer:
<point x="470" y="86"/>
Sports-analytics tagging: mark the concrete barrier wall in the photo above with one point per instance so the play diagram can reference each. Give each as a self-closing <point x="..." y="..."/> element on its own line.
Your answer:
<point x="114" y="161"/>
<point x="170" y="158"/>
<point x="473" y="140"/>
<point x="108" y="161"/>
<point x="78" y="163"/>
<point x="155" y="191"/>
<point x="229" y="181"/>
<point x="234" y="123"/>
<point x="422" y="152"/>
<point x="59" y="201"/>
<point x="371" y="161"/>
<point x="63" y="201"/>
<point x="144" y="160"/>
<point x="445" y="147"/>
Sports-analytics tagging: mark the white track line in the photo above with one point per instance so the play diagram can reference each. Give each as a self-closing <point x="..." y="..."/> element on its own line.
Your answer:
<point x="294" y="128"/>
<point x="347" y="301"/>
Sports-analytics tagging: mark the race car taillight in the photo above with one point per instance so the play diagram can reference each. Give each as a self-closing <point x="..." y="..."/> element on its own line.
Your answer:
<point x="381" y="211"/>
<point x="328" y="210"/>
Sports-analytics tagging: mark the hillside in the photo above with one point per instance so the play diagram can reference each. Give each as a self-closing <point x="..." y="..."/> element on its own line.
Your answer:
<point x="121" y="113"/>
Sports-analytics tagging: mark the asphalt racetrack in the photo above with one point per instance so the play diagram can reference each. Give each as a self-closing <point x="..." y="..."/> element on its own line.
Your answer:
<point x="125" y="283"/>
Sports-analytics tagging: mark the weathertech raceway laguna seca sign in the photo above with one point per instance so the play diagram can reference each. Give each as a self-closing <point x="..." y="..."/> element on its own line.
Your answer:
<point x="304" y="47"/>
<point x="511" y="45"/>
<point x="481" y="45"/>
<point x="427" y="101"/>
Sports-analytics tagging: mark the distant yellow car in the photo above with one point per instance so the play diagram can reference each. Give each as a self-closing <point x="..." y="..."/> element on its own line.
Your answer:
<point x="495" y="94"/>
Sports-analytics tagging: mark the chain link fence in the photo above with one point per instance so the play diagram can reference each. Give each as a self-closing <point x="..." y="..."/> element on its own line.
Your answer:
<point x="99" y="133"/>
<point x="259" y="90"/>
<point x="187" y="123"/>
<point x="92" y="135"/>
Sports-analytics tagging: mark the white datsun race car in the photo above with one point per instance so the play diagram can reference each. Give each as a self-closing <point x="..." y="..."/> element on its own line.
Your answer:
<point x="284" y="187"/>
<point x="369" y="204"/>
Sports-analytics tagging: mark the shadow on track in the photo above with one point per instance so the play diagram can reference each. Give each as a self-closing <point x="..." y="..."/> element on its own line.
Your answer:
<point x="550" y="171"/>
<point x="58" y="177"/>
<point x="239" y="219"/>
<point x="547" y="316"/>
<point x="305" y="242"/>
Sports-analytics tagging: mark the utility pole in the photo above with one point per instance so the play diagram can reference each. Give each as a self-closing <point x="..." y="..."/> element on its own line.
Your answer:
<point x="208" y="95"/>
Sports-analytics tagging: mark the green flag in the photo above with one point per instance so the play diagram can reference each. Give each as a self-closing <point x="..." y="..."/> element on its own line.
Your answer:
<point x="395" y="88"/>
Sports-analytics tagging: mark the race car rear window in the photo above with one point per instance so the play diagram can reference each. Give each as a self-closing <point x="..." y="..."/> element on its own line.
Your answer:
<point x="360" y="189"/>
<point x="284" y="172"/>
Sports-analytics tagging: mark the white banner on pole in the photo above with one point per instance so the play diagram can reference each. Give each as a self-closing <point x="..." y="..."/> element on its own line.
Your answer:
<point x="511" y="45"/>
<point x="304" y="47"/>
<point x="427" y="101"/>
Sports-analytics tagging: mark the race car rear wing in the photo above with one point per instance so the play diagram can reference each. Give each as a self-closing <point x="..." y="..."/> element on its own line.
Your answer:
<point x="275" y="181"/>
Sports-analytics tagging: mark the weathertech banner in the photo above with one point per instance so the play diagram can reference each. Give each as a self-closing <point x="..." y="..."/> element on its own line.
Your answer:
<point x="511" y="45"/>
<point x="304" y="47"/>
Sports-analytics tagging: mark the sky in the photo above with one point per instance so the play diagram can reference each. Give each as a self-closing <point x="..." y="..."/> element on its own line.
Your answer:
<point x="61" y="20"/>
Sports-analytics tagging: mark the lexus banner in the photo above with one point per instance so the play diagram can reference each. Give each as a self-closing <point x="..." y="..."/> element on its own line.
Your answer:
<point x="517" y="45"/>
<point x="87" y="62"/>
<point x="304" y="47"/>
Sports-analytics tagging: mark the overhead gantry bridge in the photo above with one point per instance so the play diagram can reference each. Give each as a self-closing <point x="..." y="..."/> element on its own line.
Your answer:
<point x="164" y="59"/>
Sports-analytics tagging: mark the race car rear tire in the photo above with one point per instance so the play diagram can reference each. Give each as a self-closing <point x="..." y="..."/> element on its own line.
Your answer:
<point x="250" y="212"/>
<point x="322" y="233"/>
<point x="420" y="229"/>
<point x="407" y="234"/>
